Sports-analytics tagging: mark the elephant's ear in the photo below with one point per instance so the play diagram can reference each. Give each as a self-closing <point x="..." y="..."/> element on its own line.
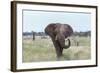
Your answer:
<point x="50" y="29"/>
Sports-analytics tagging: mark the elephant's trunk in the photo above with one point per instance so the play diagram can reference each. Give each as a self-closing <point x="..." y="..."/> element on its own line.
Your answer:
<point x="60" y="38"/>
<point x="67" y="46"/>
<point x="62" y="43"/>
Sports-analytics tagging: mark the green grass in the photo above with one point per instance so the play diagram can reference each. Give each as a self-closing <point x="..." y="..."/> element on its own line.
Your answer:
<point x="43" y="50"/>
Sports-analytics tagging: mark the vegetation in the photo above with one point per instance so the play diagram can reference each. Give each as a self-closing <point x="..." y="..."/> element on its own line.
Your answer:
<point x="43" y="49"/>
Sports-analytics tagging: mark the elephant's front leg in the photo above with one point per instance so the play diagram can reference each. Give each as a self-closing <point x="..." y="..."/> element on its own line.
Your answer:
<point x="58" y="48"/>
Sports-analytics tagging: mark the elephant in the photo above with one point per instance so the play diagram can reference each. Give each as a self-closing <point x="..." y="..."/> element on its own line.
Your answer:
<point x="58" y="33"/>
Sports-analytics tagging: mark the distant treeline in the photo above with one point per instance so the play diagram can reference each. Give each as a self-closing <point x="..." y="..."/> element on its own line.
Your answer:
<point x="87" y="33"/>
<point x="36" y="33"/>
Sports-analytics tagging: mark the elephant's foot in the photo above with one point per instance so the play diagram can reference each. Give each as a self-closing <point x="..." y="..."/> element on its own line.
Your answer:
<point x="60" y="58"/>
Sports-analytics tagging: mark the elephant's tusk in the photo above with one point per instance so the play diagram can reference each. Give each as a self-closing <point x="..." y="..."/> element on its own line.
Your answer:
<point x="69" y="43"/>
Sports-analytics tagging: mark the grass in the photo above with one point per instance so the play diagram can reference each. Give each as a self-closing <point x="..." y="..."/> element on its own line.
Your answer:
<point x="43" y="50"/>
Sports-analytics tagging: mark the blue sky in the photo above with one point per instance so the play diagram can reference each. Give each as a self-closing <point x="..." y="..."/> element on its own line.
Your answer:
<point x="38" y="20"/>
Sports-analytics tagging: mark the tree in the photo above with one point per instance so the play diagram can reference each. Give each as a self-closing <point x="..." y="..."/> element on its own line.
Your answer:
<point x="33" y="33"/>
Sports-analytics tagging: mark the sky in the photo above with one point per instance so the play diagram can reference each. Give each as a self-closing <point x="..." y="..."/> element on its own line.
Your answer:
<point x="38" y="20"/>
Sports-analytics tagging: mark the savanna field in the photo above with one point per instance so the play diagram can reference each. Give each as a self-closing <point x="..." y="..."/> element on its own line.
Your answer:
<point x="43" y="49"/>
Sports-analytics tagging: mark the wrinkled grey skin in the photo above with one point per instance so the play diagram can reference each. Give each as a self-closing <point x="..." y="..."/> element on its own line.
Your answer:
<point x="58" y="32"/>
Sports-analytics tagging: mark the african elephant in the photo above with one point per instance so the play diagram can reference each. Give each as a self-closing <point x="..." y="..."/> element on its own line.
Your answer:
<point x="58" y="32"/>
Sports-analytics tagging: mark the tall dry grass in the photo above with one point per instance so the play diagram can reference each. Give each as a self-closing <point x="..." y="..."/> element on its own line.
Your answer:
<point x="43" y="50"/>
